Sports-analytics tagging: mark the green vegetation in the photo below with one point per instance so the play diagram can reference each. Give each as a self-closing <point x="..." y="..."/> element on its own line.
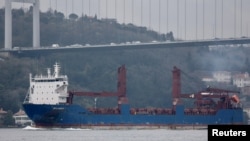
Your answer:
<point x="55" y="28"/>
<point x="8" y="119"/>
<point x="149" y="76"/>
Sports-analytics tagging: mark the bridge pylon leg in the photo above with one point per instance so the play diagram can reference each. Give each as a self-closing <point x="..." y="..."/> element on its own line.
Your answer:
<point x="8" y="25"/>
<point x="8" y="22"/>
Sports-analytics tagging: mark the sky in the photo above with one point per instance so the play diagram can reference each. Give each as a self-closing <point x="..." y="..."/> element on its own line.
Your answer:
<point x="187" y="19"/>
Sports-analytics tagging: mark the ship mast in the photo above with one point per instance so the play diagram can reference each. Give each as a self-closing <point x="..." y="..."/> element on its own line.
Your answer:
<point x="56" y="70"/>
<point x="176" y="90"/>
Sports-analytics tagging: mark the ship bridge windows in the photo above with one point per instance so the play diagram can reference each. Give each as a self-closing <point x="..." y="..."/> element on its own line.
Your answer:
<point x="49" y="80"/>
<point x="59" y="79"/>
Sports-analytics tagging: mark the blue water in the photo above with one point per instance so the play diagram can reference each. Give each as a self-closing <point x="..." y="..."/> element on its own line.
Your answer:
<point x="19" y="134"/>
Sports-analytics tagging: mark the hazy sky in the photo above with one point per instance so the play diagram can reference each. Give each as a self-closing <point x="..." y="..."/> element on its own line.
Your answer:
<point x="188" y="19"/>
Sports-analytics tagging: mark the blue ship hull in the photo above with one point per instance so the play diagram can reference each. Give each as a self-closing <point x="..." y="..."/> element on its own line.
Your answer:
<point x="212" y="106"/>
<point x="76" y="116"/>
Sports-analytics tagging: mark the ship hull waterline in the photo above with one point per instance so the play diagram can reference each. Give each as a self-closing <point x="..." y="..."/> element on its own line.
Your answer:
<point x="67" y="116"/>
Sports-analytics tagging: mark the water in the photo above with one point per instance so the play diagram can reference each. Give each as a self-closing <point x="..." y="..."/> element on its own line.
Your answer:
<point x="32" y="134"/>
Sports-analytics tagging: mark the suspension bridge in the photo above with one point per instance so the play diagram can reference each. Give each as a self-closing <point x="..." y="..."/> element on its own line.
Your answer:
<point x="194" y="22"/>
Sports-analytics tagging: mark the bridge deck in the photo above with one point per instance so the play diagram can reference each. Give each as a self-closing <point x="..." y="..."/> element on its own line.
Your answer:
<point x="201" y="43"/>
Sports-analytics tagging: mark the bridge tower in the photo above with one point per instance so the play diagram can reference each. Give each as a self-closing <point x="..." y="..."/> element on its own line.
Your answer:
<point x="8" y="23"/>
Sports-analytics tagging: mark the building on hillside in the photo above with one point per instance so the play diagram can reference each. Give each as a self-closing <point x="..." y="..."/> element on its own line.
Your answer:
<point x="241" y="80"/>
<point x="21" y="119"/>
<point x="215" y="76"/>
<point x="222" y="76"/>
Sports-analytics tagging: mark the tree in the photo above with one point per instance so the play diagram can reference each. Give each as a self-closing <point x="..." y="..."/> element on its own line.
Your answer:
<point x="8" y="119"/>
<point x="170" y="36"/>
<point x="73" y="16"/>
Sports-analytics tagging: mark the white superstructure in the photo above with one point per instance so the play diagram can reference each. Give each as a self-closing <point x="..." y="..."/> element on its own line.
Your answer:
<point x="49" y="89"/>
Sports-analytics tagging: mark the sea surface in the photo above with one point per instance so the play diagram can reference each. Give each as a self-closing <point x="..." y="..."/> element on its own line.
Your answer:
<point x="71" y="134"/>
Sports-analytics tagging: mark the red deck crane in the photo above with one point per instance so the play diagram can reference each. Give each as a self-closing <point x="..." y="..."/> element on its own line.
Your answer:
<point x="121" y="89"/>
<point x="204" y="100"/>
<point x="214" y="98"/>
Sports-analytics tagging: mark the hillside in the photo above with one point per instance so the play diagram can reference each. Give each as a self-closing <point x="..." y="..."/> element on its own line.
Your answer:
<point x="149" y="76"/>
<point x="56" y="29"/>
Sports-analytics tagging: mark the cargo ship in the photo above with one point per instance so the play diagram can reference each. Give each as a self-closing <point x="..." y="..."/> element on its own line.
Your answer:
<point x="49" y="104"/>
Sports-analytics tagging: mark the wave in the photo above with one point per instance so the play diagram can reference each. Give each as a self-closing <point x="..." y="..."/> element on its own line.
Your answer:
<point x="32" y="128"/>
<point x="64" y="129"/>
